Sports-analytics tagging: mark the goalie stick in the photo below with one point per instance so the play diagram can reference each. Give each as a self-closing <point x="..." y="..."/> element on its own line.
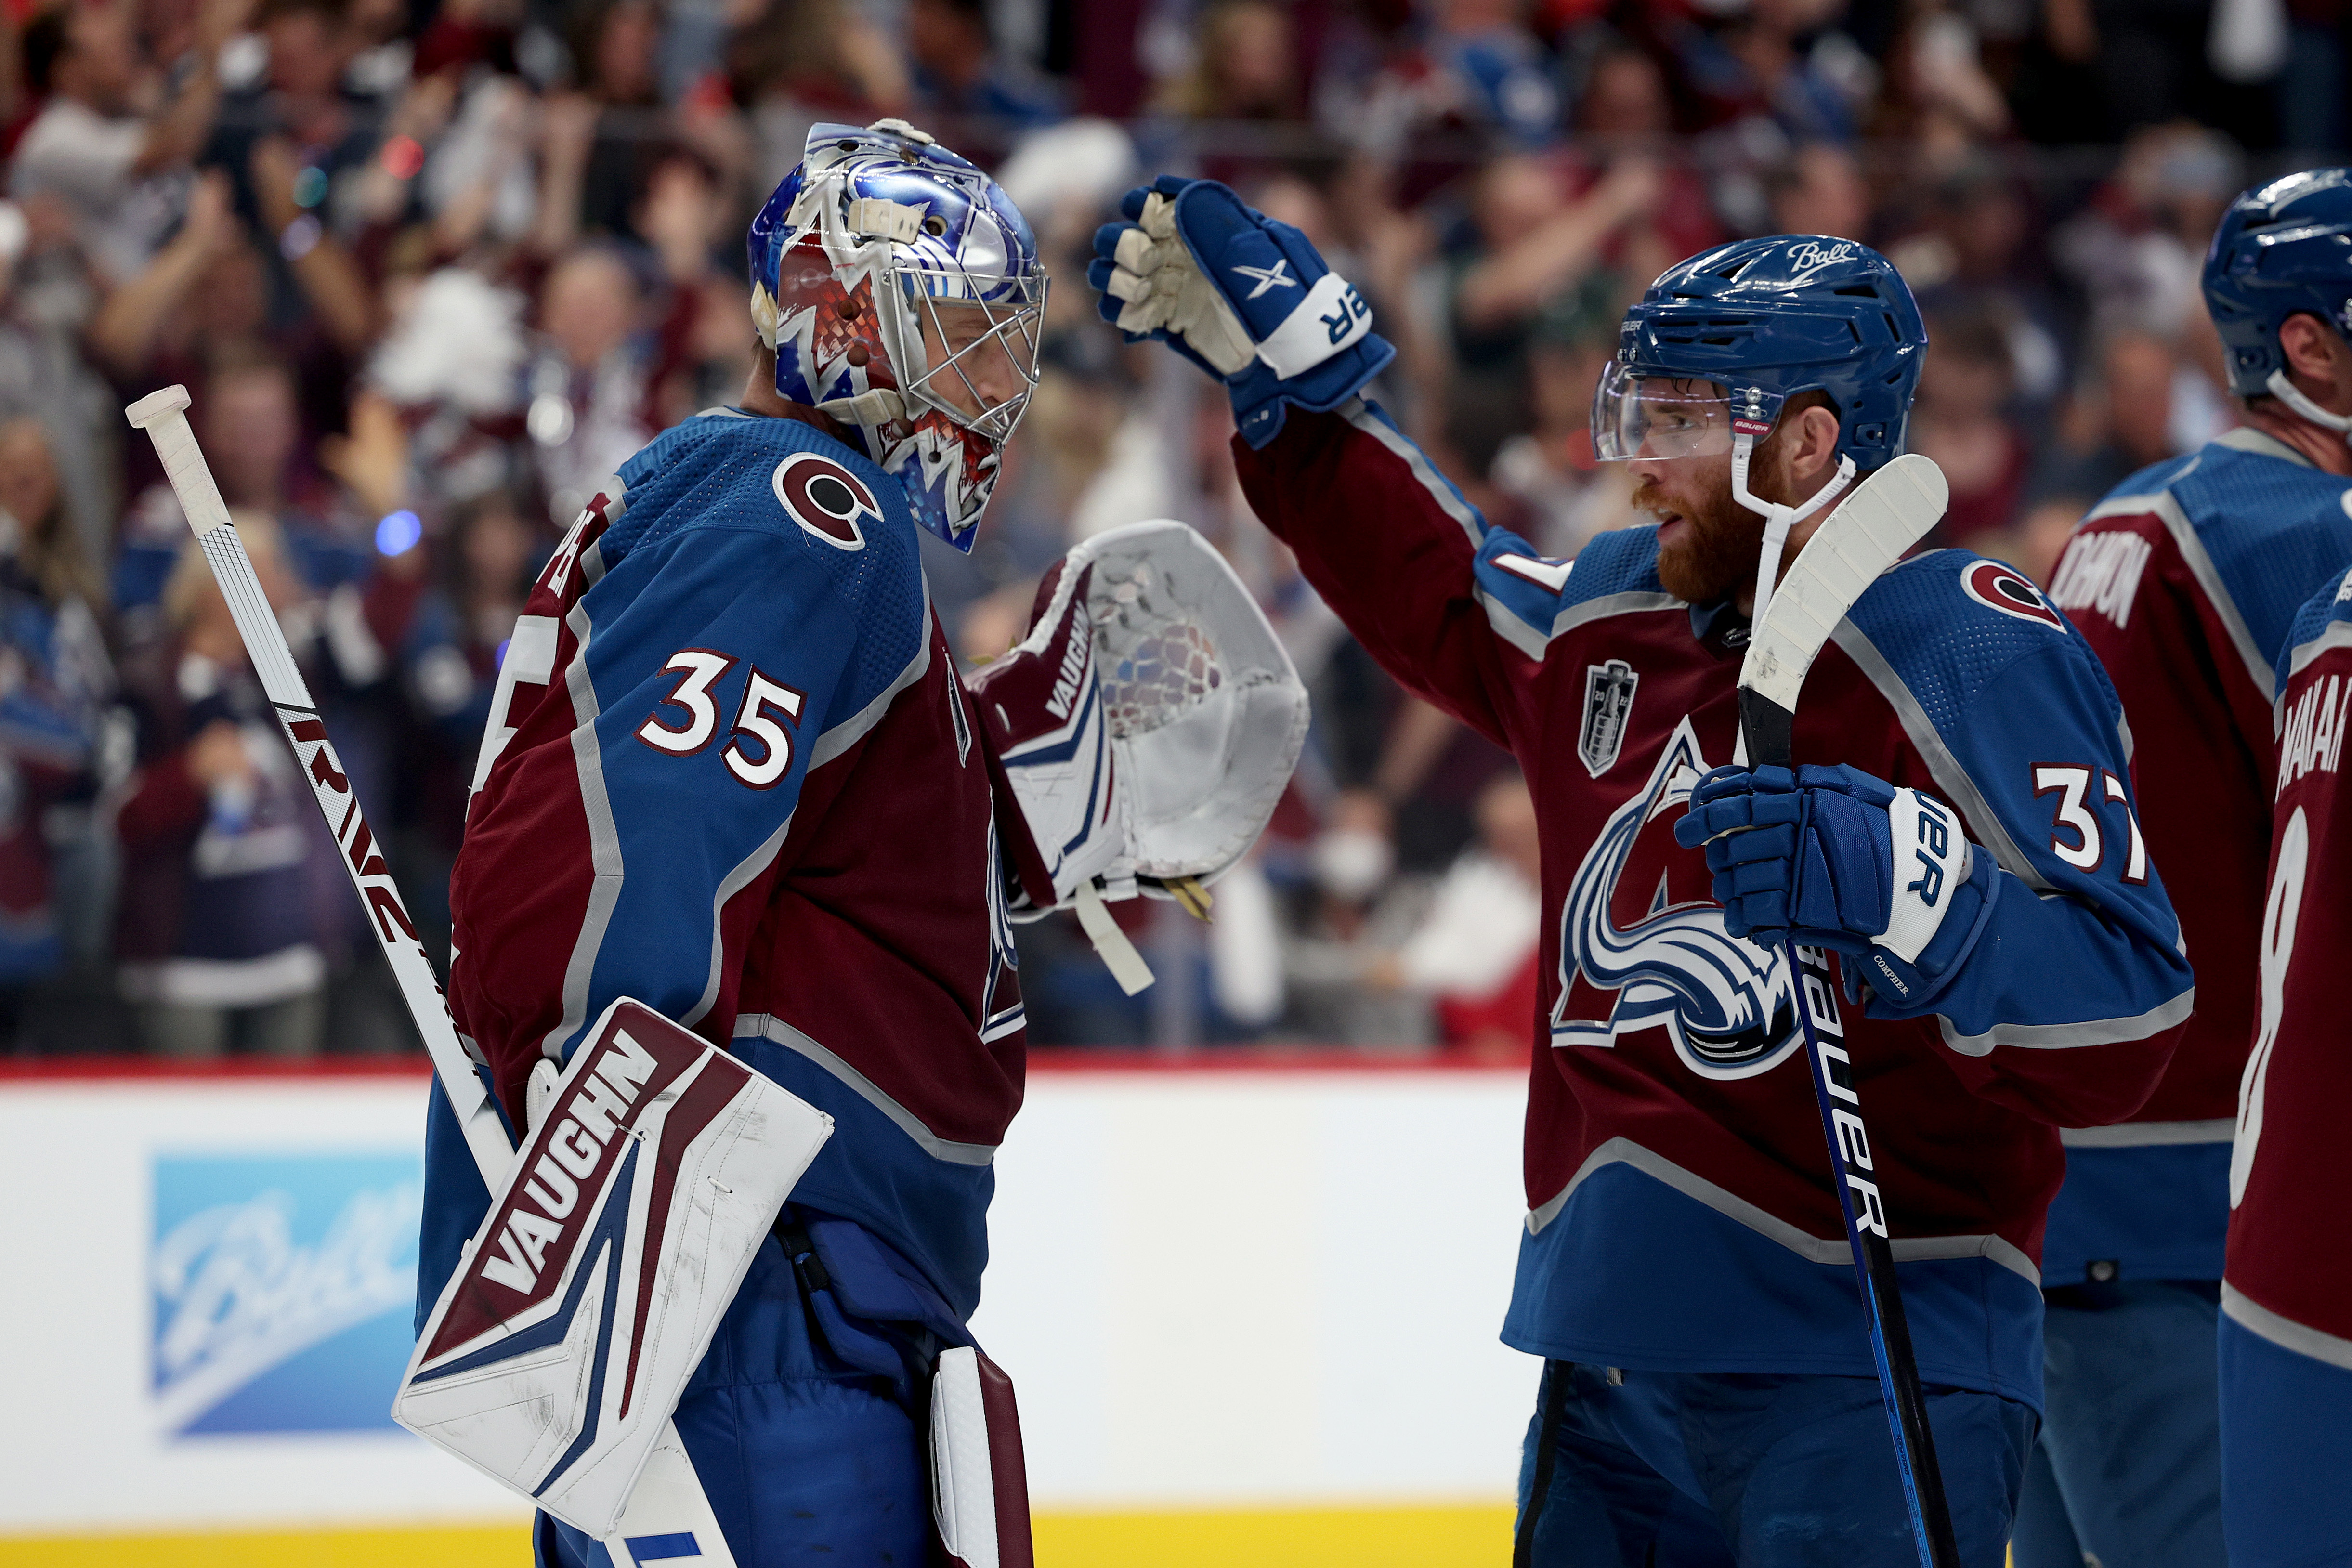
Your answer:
<point x="667" y="1514"/>
<point x="1883" y="517"/>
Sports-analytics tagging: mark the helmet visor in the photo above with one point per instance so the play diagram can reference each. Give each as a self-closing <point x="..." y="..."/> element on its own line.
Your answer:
<point x="1659" y="416"/>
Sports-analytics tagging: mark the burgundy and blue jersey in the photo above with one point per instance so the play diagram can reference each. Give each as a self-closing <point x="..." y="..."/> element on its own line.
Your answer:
<point x="2289" y="1277"/>
<point x="1680" y="1216"/>
<point x="2184" y="580"/>
<point x="730" y="772"/>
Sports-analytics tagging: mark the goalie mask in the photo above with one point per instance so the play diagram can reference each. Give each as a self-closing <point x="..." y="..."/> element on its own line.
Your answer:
<point x="901" y="292"/>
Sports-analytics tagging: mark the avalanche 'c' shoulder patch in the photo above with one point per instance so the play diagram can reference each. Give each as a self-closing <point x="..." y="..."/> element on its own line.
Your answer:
<point x="825" y="499"/>
<point x="2002" y="588"/>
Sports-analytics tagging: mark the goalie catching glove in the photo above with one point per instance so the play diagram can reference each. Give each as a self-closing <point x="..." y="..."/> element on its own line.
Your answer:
<point x="1246" y="299"/>
<point x="1834" y="858"/>
<point x="1141" y="734"/>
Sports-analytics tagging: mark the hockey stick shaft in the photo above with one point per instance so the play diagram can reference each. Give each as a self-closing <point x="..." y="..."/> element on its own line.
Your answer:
<point x="164" y="415"/>
<point x="1881" y="520"/>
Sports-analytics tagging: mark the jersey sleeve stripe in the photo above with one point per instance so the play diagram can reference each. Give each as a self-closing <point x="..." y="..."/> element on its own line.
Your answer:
<point x="734" y="882"/>
<point x="1441" y="488"/>
<point x="768" y="1026"/>
<point x="603" y="841"/>
<point x="2285" y="1331"/>
<point x="1633" y="602"/>
<point x="2147" y="1134"/>
<point x="1944" y="768"/>
<point x="2167" y="510"/>
<point x="2068" y="1037"/>
<point x="2337" y="634"/>
<point x="1813" y="1248"/>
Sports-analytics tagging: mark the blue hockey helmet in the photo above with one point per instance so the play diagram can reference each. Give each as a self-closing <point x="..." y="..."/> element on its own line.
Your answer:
<point x="879" y="234"/>
<point x="1764" y="319"/>
<point x="2281" y="249"/>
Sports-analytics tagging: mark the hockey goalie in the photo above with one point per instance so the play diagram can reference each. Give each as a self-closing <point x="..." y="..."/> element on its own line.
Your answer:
<point x="735" y="793"/>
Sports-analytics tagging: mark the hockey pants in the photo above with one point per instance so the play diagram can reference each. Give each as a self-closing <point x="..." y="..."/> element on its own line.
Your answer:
<point x="1657" y="1470"/>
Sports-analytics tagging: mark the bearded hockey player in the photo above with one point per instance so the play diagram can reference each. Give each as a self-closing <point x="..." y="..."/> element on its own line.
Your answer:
<point x="2184" y="580"/>
<point x="1708" y="1393"/>
<point x="2286" y="1294"/>
<point x="731" y="772"/>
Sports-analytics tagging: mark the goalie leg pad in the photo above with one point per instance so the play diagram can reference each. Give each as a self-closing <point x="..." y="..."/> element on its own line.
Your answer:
<point x="979" y="1483"/>
<point x="613" y="1247"/>
<point x="807" y="1457"/>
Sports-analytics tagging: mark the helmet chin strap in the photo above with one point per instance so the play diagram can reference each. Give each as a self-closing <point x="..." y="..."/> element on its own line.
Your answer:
<point x="1778" y="521"/>
<point x="2286" y="392"/>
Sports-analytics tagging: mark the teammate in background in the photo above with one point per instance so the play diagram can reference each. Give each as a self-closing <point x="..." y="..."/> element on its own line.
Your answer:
<point x="730" y="771"/>
<point x="2287" y="1296"/>
<point x="1709" y="1392"/>
<point x="2184" y="580"/>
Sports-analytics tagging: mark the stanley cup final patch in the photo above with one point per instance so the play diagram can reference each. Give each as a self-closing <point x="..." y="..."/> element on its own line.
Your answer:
<point x="1608" y="700"/>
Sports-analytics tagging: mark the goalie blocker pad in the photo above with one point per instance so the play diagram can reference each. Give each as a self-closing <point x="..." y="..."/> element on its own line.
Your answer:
<point x="980" y="1485"/>
<point x="556" y="1355"/>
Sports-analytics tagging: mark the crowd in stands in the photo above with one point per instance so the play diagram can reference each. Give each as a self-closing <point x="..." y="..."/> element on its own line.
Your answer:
<point x="431" y="269"/>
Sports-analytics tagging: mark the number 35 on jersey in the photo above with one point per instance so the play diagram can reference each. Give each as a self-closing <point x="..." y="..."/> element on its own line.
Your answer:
<point x="759" y="750"/>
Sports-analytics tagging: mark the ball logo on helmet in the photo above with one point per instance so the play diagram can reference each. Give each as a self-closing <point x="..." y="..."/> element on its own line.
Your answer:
<point x="825" y="499"/>
<point x="1810" y="255"/>
<point x="2002" y="588"/>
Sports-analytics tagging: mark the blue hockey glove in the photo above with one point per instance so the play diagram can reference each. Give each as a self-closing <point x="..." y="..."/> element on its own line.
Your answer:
<point x="1836" y="859"/>
<point x="1244" y="298"/>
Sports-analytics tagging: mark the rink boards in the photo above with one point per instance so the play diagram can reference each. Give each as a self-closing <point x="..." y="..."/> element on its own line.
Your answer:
<point x="1242" y="1305"/>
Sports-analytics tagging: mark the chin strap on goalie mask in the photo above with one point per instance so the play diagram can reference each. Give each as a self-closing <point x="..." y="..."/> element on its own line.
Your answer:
<point x="1778" y="521"/>
<point x="2286" y="392"/>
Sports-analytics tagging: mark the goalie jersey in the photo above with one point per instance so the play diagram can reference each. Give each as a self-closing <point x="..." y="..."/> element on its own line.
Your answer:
<point x="730" y="772"/>
<point x="2289" y="1276"/>
<point x="1680" y="1211"/>
<point x="2184" y="580"/>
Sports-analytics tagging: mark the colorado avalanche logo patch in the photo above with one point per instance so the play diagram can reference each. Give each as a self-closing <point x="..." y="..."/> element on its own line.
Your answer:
<point x="1727" y="1004"/>
<point x="825" y="499"/>
<point x="1999" y="586"/>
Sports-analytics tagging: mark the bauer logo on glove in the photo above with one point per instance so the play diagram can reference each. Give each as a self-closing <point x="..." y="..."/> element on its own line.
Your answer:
<point x="1246" y="299"/>
<point x="1839" y="860"/>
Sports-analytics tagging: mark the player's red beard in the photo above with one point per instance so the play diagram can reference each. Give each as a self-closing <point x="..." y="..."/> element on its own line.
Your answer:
<point x="1712" y="554"/>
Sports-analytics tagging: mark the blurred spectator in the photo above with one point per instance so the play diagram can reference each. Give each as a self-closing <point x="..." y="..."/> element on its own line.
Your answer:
<point x="588" y="384"/>
<point x="2137" y="248"/>
<point x="2139" y="407"/>
<point x="224" y="859"/>
<point x="959" y="73"/>
<point x="1354" y="914"/>
<point x="1496" y="68"/>
<point x="43" y="373"/>
<point x="1529" y="247"/>
<point x="1244" y="66"/>
<point x="1820" y="190"/>
<point x="1961" y="420"/>
<point x="451" y="635"/>
<point x="1474" y="951"/>
<point x="55" y="675"/>
<point x="1550" y="468"/>
<point x="122" y="174"/>
<point x="601" y="139"/>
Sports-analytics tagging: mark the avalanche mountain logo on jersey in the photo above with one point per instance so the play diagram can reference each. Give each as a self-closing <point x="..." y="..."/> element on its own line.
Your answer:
<point x="825" y="499"/>
<point x="1727" y="1004"/>
<point x="1608" y="700"/>
<point x="1999" y="586"/>
<point x="282" y="1288"/>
